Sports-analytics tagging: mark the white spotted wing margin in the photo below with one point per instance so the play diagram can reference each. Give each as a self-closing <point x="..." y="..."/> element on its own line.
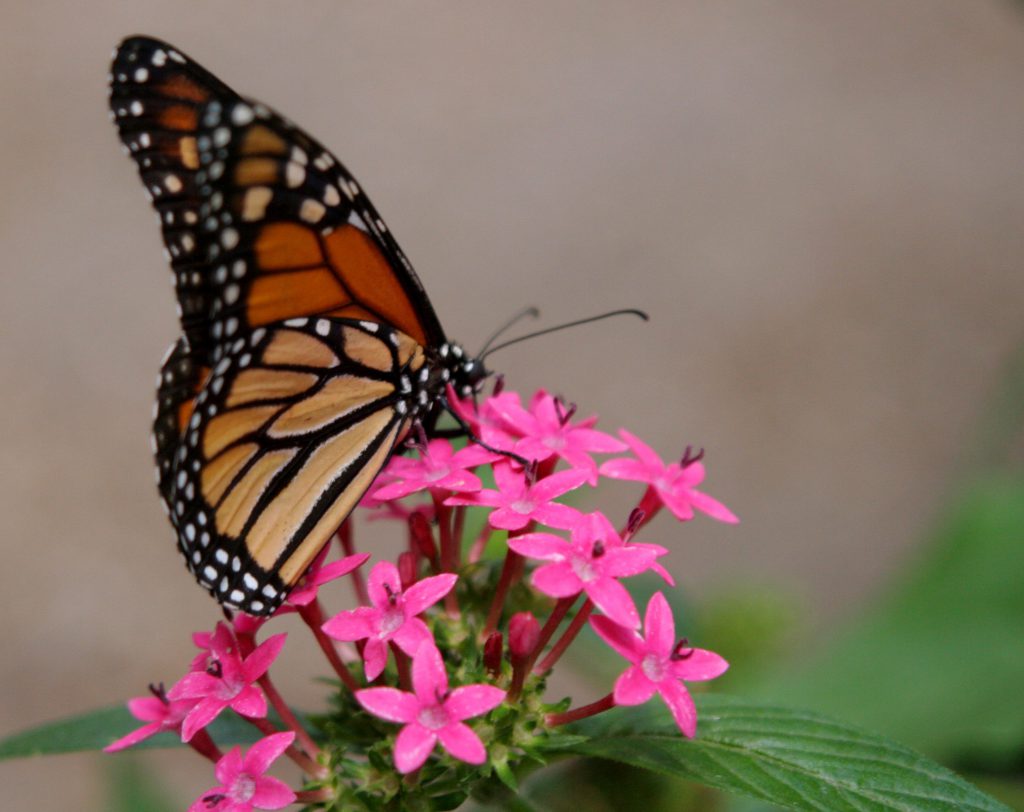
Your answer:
<point x="287" y="433"/>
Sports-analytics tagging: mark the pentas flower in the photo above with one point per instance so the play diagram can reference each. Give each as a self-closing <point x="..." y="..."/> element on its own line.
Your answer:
<point x="319" y="574"/>
<point x="243" y="785"/>
<point x="519" y="501"/>
<point x="438" y="468"/>
<point x="660" y="663"/>
<point x="393" y="615"/>
<point x="675" y="484"/>
<point x="432" y="713"/>
<point x="160" y="715"/>
<point x="546" y="430"/>
<point x="592" y="561"/>
<point x="226" y="683"/>
<point x="483" y="419"/>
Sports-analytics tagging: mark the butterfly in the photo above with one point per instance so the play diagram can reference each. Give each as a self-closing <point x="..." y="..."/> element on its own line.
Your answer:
<point x="309" y="349"/>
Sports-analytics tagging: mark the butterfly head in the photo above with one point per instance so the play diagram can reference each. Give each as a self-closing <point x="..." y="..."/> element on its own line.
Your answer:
<point x="465" y="374"/>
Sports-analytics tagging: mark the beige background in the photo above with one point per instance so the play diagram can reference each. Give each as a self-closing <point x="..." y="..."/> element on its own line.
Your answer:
<point x="819" y="203"/>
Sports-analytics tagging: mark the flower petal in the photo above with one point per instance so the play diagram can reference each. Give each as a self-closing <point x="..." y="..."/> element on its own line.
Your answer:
<point x="272" y="793"/>
<point x="383" y="582"/>
<point x="557" y="580"/>
<point x="429" y="679"/>
<point x="633" y="688"/>
<point x="250" y="703"/>
<point x="557" y="515"/>
<point x="256" y="664"/>
<point x="375" y="657"/>
<point x="133" y="738"/>
<point x="680" y="703"/>
<point x="412" y="747"/>
<point x="544" y="546"/>
<point x="459" y="740"/>
<point x="354" y="624"/>
<point x="427" y="592"/>
<point x="200" y="716"/>
<point x="712" y="507"/>
<point x="626" y="468"/>
<point x="659" y="625"/>
<point x="411" y="635"/>
<point x="614" y="600"/>
<point x="229" y="766"/>
<point x="647" y="455"/>
<point x="625" y="641"/>
<point x="266" y="751"/>
<point x="699" y="665"/>
<point x="472" y="700"/>
<point x="389" y="704"/>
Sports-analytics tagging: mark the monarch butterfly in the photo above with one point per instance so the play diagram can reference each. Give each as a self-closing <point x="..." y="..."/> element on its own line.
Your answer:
<point x="309" y="347"/>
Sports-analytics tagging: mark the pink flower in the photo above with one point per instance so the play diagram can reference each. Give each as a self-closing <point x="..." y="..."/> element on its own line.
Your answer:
<point x="546" y="431"/>
<point x="518" y="501"/>
<point x="659" y="663"/>
<point x="393" y="615"/>
<point x="160" y="714"/>
<point x="243" y="785"/>
<point x="226" y="683"/>
<point x="318" y="574"/>
<point x="592" y="562"/>
<point x="432" y="713"/>
<point x="437" y="468"/>
<point x="484" y="420"/>
<point x="675" y="484"/>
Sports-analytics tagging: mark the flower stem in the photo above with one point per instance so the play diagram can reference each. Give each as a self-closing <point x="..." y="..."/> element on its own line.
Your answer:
<point x="402" y="664"/>
<point x="315" y="796"/>
<point x="575" y="714"/>
<point x="305" y="763"/>
<point x="203" y="744"/>
<point x="449" y="550"/>
<point x="558" y="649"/>
<point x="550" y="626"/>
<point x="348" y="547"/>
<point x="290" y="719"/>
<point x="508" y="571"/>
<point x="313" y="615"/>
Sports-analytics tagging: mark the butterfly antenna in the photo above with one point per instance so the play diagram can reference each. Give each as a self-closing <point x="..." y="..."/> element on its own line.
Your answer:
<point x="527" y="312"/>
<point x="566" y="326"/>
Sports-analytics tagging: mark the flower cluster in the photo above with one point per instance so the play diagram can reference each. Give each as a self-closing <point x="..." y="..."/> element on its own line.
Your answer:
<point x="447" y="653"/>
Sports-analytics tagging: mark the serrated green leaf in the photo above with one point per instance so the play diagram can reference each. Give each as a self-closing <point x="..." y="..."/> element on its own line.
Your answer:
<point x="96" y="729"/>
<point x="793" y="759"/>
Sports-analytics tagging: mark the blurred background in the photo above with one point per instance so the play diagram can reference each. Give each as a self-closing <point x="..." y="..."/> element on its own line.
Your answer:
<point x="819" y="203"/>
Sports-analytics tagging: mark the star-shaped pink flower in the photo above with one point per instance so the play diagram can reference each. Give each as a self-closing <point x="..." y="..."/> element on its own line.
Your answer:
<point x="227" y="682"/>
<point x="517" y="502"/>
<point x="432" y="713"/>
<point x="243" y="785"/>
<point x="674" y="484"/>
<point x="546" y="430"/>
<point x="393" y="615"/>
<point x="160" y="715"/>
<point x="659" y="663"/>
<point x="438" y="468"/>
<point x="319" y="574"/>
<point x="592" y="561"/>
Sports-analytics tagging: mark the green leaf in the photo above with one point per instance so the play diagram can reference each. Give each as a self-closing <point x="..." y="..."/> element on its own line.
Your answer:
<point x="938" y="661"/>
<point x="96" y="729"/>
<point x="794" y="759"/>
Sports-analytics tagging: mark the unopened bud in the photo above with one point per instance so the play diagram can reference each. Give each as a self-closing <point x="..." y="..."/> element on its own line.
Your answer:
<point x="636" y="518"/>
<point x="407" y="569"/>
<point x="422" y="537"/>
<point x="523" y="634"/>
<point x="492" y="653"/>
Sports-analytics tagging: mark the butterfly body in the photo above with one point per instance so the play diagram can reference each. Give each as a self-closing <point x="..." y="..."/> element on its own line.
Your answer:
<point x="309" y="349"/>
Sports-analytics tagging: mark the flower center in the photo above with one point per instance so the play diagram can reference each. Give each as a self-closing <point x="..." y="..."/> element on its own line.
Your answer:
<point x="556" y="442"/>
<point x="653" y="667"/>
<point x="522" y="506"/>
<point x="229" y="689"/>
<point x="584" y="568"/>
<point x="433" y="717"/>
<point x="243" y="788"/>
<point x="437" y="473"/>
<point x="391" y="621"/>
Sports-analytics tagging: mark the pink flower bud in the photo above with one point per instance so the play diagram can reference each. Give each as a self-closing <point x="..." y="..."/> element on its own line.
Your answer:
<point x="492" y="654"/>
<point x="407" y="569"/>
<point x="523" y="634"/>
<point x="422" y="537"/>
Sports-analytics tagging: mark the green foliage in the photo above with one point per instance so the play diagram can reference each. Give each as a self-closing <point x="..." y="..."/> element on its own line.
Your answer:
<point x="794" y="759"/>
<point x="135" y="789"/>
<point x="938" y="662"/>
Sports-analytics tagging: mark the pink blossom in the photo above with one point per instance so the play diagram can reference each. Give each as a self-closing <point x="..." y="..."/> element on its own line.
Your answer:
<point x="226" y="683"/>
<point x="393" y="615"/>
<point x="518" y="501"/>
<point x="437" y="468"/>
<point x="592" y="562"/>
<point x="484" y="420"/>
<point x="546" y="431"/>
<point x="659" y="663"/>
<point x="432" y="713"/>
<point x="319" y="574"/>
<point x="674" y="484"/>
<point x="158" y="712"/>
<point x="243" y="785"/>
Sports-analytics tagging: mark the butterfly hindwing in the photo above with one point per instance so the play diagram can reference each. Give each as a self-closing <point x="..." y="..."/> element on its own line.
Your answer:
<point x="287" y="432"/>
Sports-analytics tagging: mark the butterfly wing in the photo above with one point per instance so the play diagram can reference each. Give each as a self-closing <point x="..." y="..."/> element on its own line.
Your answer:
<point x="262" y="223"/>
<point x="285" y="435"/>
